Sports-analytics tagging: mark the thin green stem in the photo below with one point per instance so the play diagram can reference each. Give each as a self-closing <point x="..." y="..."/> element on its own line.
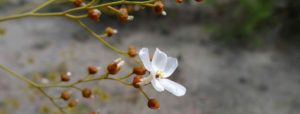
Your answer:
<point x="144" y="93"/>
<point x="100" y="38"/>
<point x="52" y="100"/>
<point x="125" y="76"/>
<point x="43" y="6"/>
<point x="18" y="76"/>
<point x="121" y="81"/>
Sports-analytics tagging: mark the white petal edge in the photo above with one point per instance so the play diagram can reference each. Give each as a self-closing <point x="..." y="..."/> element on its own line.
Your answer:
<point x="173" y="87"/>
<point x="156" y="85"/>
<point x="170" y="67"/>
<point x="159" y="60"/>
<point x="144" y="56"/>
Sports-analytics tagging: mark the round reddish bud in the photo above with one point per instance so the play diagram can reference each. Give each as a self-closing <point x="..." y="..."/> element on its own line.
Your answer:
<point x="113" y="68"/>
<point x="123" y="16"/>
<point x="179" y="1"/>
<point x="65" y="95"/>
<point x="153" y="104"/>
<point x="94" y="14"/>
<point x="65" y="77"/>
<point x="132" y="52"/>
<point x="139" y="70"/>
<point x="92" y="69"/>
<point x="79" y="3"/>
<point x="159" y="7"/>
<point x="110" y="31"/>
<point x="136" y="81"/>
<point x="87" y="93"/>
<point x="72" y="103"/>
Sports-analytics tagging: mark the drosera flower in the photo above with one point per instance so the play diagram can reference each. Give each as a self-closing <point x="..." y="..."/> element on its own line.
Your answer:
<point x="161" y="67"/>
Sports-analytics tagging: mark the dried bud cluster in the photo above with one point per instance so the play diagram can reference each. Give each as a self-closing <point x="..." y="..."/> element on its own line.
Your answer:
<point x="110" y="31"/>
<point x="65" y="77"/>
<point x="153" y="104"/>
<point x="115" y="67"/>
<point x="132" y="52"/>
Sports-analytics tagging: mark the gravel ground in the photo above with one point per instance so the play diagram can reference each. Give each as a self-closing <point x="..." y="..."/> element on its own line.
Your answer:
<point x="218" y="80"/>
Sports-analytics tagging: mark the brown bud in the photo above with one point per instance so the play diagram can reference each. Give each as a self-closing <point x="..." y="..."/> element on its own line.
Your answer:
<point x="92" y="69"/>
<point x="159" y="7"/>
<point x="65" y="77"/>
<point x="94" y="14"/>
<point x="132" y="52"/>
<point x="123" y="16"/>
<point x="65" y="95"/>
<point x="136" y="81"/>
<point x="139" y="70"/>
<point x="110" y="31"/>
<point x="113" y="68"/>
<point x="87" y="93"/>
<point x="72" y="103"/>
<point x="79" y="3"/>
<point x="179" y="1"/>
<point x="153" y="104"/>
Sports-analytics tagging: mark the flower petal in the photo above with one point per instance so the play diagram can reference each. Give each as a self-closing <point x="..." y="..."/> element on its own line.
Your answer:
<point x="144" y="55"/>
<point x="157" y="86"/>
<point x="170" y="67"/>
<point x="173" y="87"/>
<point x="159" y="60"/>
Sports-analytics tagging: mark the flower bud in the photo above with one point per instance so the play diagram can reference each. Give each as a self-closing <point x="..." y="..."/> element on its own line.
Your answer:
<point x="72" y="103"/>
<point x="87" y="93"/>
<point x="179" y="1"/>
<point x="123" y="16"/>
<point x="132" y="52"/>
<point x="136" y="81"/>
<point x="79" y="3"/>
<point x="92" y="69"/>
<point x="115" y="67"/>
<point x="65" y="77"/>
<point x="110" y="31"/>
<point x="65" y="95"/>
<point x="153" y="104"/>
<point x="159" y="7"/>
<point x="139" y="70"/>
<point x="94" y="14"/>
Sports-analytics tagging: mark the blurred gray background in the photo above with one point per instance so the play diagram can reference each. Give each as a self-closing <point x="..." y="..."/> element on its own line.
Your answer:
<point x="235" y="57"/>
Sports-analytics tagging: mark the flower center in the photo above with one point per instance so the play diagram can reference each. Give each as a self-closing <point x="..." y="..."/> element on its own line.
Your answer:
<point x="159" y="74"/>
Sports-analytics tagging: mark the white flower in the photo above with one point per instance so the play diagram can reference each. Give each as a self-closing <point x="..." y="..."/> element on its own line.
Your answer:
<point x="161" y="67"/>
